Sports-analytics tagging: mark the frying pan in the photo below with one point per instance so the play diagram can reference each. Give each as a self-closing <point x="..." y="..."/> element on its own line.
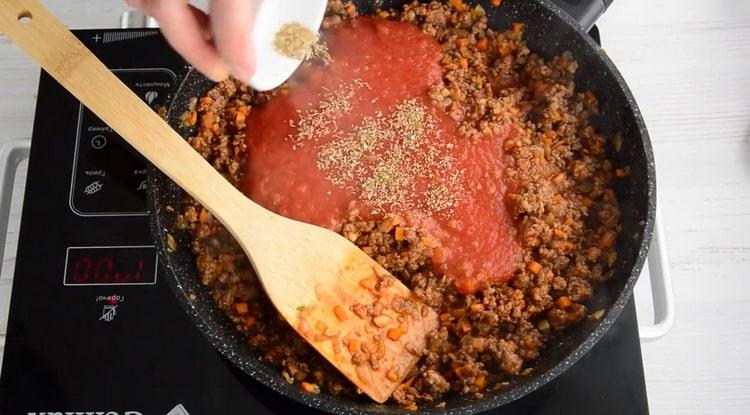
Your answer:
<point x="549" y="31"/>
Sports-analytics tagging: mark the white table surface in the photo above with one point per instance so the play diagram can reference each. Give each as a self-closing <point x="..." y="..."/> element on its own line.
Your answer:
<point x="688" y="64"/>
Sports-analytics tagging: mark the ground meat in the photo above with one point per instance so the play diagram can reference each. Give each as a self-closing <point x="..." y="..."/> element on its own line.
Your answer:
<point x="564" y="208"/>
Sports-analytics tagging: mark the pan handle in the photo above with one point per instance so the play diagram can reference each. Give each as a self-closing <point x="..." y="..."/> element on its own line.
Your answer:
<point x="586" y="12"/>
<point x="11" y="154"/>
<point x="661" y="287"/>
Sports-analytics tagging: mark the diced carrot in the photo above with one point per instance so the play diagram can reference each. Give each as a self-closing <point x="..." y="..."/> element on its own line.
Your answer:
<point x="206" y="101"/>
<point x="482" y="44"/>
<point x="464" y="63"/>
<point x="191" y="118"/>
<point x="392" y="375"/>
<point x="621" y="173"/>
<point x="607" y="240"/>
<point x="240" y="114"/>
<point x="241" y="308"/>
<point x="384" y="14"/>
<point x="395" y="333"/>
<point x="250" y="321"/>
<point x="203" y="216"/>
<point x="353" y="345"/>
<point x="496" y="3"/>
<point x="480" y="382"/>
<point x="458" y="4"/>
<point x="340" y="312"/>
<point x="368" y="283"/>
<point x="399" y="234"/>
<point x="558" y="178"/>
<point x="478" y="343"/>
<point x="534" y="267"/>
<point x="320" y="326"/>
<point x="461" y="371"/>
<point x="518" y="27"/>
<point x="564" y="302"/>
<point x="559" y="234"/>
<point x="310" y="387"/>
<point x="462" y="41"/>
<point x="476" y="308"/>
<point x="350" y="7"/>
<point x="389" y="223"/>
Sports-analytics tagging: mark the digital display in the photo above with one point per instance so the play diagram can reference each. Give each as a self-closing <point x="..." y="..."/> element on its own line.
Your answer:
<point x="112" y="265"/>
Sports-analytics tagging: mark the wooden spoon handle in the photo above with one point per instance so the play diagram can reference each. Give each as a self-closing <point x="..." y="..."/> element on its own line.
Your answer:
<point x="28" y="24"/>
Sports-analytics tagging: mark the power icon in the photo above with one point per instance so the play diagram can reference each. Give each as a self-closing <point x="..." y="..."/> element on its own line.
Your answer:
<point x="98" y="142"/>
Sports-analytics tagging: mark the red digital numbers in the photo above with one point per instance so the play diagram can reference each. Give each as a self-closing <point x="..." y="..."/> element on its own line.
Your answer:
<point x="81" y="271"/>
<point x="102" y="270"/>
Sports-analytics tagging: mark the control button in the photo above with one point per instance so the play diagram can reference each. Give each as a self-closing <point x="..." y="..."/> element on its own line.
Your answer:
<point x="94" y="187"/>
<point x="108" y="174"/>
<point x="98" y="142"/>
<point x="151" y="96"/>
<point x="178" y="410"/>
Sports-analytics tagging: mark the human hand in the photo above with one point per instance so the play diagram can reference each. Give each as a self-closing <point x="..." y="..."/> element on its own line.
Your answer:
<point x="217" y="44"/>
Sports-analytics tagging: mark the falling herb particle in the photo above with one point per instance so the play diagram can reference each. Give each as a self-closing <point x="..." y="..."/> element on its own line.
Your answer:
<point x="300" y="308"/>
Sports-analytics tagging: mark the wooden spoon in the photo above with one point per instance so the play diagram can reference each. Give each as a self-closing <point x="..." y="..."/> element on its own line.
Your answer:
<point x="358" y="316"/>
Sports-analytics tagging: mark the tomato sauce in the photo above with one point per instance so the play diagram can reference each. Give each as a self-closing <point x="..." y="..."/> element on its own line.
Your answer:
<point x="391" y="62"/>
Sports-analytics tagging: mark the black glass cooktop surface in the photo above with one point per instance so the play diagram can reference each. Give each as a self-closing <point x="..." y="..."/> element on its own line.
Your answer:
<point x="94" y="328"/>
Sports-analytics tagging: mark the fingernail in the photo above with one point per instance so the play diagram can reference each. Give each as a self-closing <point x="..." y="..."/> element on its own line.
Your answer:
<point x="243" y="73"/>
<point x="218" y="73"/>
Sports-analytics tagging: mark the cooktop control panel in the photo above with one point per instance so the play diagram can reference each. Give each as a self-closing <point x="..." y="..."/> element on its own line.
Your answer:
<point x="109" y="177"/>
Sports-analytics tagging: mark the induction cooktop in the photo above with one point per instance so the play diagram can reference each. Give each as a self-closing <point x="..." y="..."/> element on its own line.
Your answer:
<point x="94" y="327"/>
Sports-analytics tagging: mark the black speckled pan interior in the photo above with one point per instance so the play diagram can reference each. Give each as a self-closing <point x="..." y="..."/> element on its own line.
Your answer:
<point x="549" y="31"/>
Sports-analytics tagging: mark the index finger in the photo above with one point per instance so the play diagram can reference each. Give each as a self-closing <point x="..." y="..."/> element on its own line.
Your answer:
<point x="231" y="27"/>
<point x="184" y="27"/>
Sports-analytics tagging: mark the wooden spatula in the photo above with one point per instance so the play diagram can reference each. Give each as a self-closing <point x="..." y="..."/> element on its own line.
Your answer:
<point x="358" y="316"/>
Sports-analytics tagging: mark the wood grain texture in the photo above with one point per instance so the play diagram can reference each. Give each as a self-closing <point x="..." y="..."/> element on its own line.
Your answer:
<point x="687" y="62"/>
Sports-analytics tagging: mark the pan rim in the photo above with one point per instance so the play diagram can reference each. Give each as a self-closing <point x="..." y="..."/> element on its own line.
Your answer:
<point x="261" y="372"/>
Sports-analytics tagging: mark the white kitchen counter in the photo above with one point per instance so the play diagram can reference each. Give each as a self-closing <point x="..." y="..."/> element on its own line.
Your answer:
<point x="688" y="64"/>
